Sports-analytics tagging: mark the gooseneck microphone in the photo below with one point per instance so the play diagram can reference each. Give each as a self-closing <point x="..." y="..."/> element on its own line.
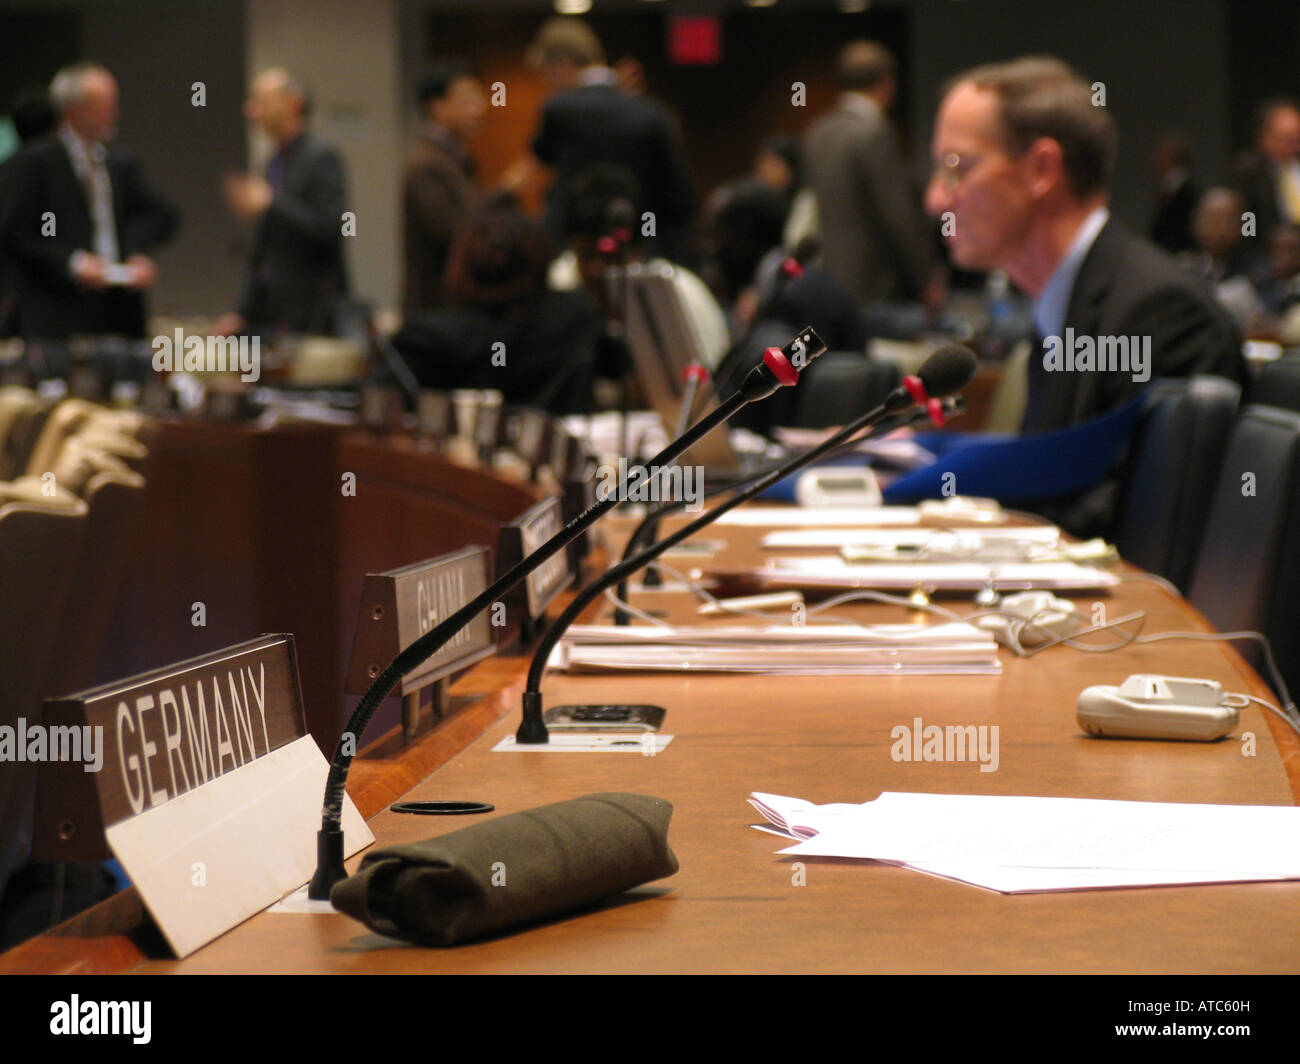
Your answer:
<point x="780" y="367"/>
<point x="644" y="534"/>
<point x="944" y="372"/>
<point x="771" y="288"/>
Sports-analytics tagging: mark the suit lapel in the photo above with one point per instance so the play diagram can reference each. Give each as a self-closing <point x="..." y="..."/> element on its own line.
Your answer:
<point x="1092" y="286"/>
<point x="70" y="191"/>
<point x="1093" y="281"/>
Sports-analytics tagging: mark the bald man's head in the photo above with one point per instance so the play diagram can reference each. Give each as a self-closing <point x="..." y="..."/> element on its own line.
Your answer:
<point x="277" y="103"/>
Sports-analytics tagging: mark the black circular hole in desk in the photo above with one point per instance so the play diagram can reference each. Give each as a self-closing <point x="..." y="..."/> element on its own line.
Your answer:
<point x="441" y="808"/>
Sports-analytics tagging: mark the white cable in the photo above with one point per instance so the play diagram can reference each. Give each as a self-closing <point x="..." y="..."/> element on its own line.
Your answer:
<point x="1151" y="578"/>
<point x="628" y="607"/>
<point x="889" y="600"/>
<point x="1288" y="711"/>
<point x="1291" y="723"/>
<point x="1213" y="637"/>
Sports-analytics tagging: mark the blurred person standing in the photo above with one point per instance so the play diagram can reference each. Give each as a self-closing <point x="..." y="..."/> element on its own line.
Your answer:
<point x="590" y="120"/>
<point x="875" y="238"/>
<point x="1268" y="177"/>
<point x="1176" y="193"/>
<point x="439" y="191"/>
<point x="80" y="220"/>
<point x="296" y="276"/>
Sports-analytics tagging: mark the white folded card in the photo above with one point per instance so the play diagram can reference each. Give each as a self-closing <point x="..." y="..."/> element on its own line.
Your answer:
<point x="215" y="856"/>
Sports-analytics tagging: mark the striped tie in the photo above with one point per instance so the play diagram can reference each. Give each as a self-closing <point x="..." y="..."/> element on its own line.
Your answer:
<point x="100" y="191"/>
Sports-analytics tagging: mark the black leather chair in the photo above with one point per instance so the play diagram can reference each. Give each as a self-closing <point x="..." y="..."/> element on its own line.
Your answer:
<point x="1279" y="383"/>
<point x="1248" y="573"/>
<point x="1171" y="474"/>
<point x="841" y="386"/>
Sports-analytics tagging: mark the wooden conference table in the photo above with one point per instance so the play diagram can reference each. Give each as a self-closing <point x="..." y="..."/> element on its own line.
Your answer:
<point x="736" y="906"/>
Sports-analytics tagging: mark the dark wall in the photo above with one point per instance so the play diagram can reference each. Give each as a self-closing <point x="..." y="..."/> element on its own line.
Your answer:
<point x="1264" y="59"/>
<point x="157" y="49"/>
<point x="1164" y="66"/>
<point x="32" y="45"/>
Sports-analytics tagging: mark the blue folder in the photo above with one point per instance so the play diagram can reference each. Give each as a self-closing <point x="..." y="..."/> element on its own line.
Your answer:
<point x="1041" y="465"/>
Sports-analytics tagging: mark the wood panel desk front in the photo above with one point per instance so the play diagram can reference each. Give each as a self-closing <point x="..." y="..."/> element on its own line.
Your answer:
<point x="260" y="527"/>
<point x="736" y="906"/>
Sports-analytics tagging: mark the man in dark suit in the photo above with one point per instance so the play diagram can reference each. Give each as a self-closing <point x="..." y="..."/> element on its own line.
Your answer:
<point x="591" y="120"/>
<point x="875" y="240"/>
<point x="81" y="220"/>
<point x="498" y="303"/>
<point x="1022" y="159"/>
<point x="1176" y="193"/>
<point x="1268" y="177"/>
<point x="438" y="189"/>
<point x="296" y="276"/>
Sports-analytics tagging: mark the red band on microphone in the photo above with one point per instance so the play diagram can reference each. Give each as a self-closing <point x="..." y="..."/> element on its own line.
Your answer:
<point x="916" y="389"/>
<point x="775" y="360"/>
<point x="792" y="268"/>
<point x="607" y="245"/>
<point x="695" y="372"/>
<point x="934" y="407"/>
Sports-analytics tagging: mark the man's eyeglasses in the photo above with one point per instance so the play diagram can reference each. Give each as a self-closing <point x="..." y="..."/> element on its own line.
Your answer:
<point x="953" y="169"/>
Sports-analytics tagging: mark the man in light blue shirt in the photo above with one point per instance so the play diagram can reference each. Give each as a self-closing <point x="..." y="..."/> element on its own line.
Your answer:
<point x="1022" y="162"/>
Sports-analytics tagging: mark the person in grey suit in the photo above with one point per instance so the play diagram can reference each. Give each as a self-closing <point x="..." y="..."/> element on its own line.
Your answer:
<point x="1022" y="160"/>
<point x="296" y="276"/>
<point x="875" y="239"/>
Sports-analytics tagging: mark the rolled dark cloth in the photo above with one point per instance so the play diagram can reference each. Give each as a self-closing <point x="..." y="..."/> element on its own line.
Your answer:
<point x="516" y="869"/>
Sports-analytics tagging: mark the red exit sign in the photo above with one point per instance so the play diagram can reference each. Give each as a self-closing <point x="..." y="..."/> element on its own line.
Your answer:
<point x="694" y="40"/>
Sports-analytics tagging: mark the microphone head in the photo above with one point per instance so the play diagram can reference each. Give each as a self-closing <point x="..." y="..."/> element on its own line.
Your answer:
<point x="947" y="370"/>
<point x="620" y="214"/>
<point x="786" y="363"/>
<point x="806" y="250"/>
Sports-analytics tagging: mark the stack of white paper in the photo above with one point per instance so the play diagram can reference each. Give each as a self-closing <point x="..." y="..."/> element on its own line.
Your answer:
<point x="939" y="576"/>
<point x="911" y="538"/>
<point x="787" y="649"/>
<point x="814" y="517"/>
<point x="1022" y="845"/>
<point x="899" y="450"/>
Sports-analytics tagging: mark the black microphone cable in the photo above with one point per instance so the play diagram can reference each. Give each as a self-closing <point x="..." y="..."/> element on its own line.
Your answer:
<point x="780" y="367"/>
<point x="945" y="372"/>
